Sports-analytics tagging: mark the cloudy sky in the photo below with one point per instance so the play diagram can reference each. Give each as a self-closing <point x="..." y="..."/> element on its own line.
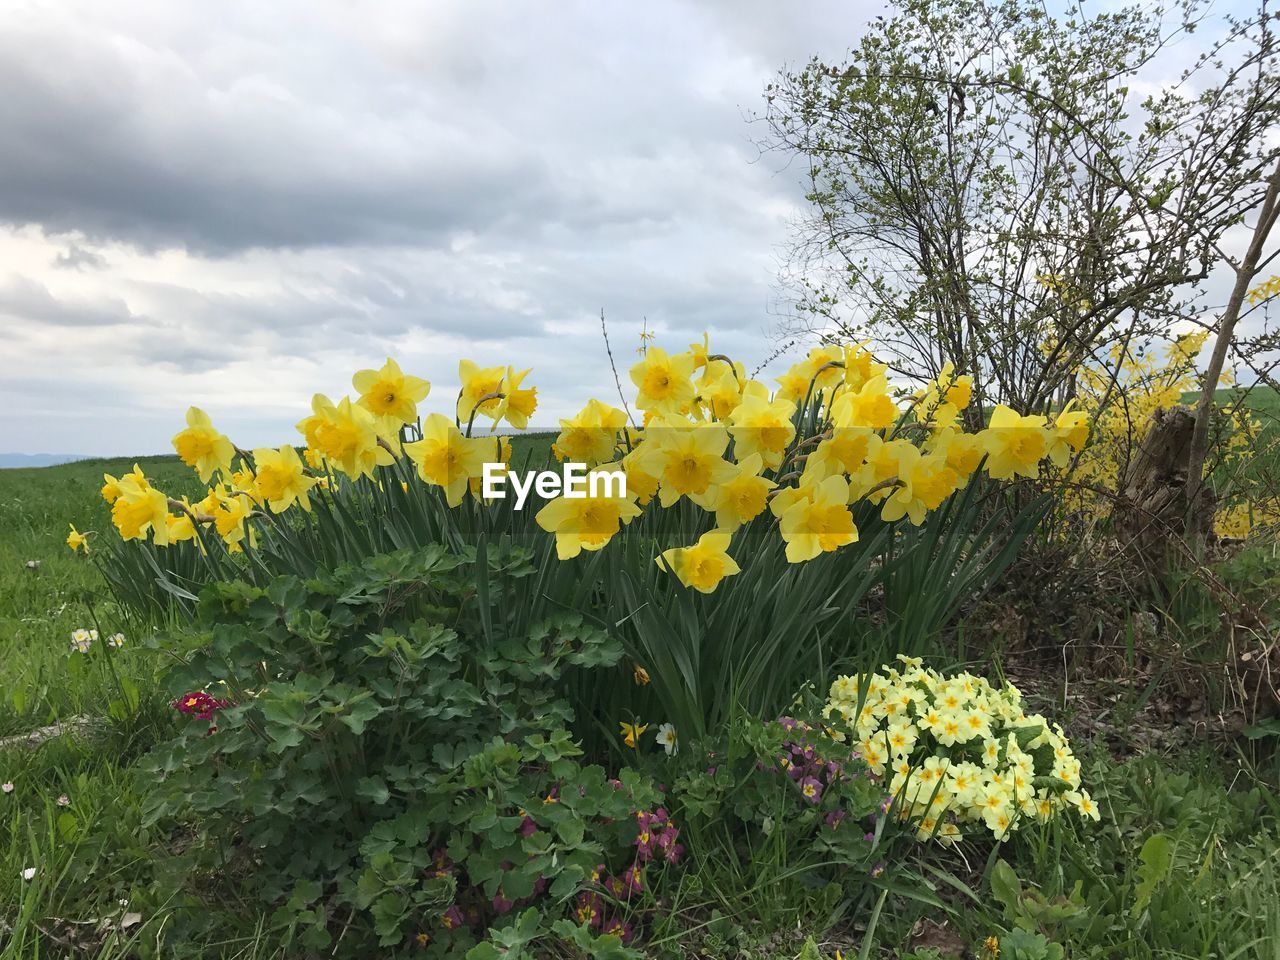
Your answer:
<point x="236" y="205"/>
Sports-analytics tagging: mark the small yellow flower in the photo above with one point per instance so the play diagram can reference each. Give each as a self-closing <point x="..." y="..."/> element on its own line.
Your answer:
<point x="77" y="540"/>
<point x="640" y="675"/>
<point x="631" y="733"/>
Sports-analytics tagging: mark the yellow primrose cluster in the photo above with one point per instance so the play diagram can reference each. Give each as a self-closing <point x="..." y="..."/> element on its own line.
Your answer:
<point x="1120" y="414"/>
<point x="709" y="435"/>
<point x="958" y="751"/>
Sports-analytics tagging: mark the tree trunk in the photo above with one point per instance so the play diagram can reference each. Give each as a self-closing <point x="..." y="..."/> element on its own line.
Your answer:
<point x="1156" y="508"/>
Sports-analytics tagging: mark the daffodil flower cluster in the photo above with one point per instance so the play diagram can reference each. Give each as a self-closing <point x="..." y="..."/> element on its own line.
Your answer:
<point x="710" y="435"/>
<point x="957" y="751"/>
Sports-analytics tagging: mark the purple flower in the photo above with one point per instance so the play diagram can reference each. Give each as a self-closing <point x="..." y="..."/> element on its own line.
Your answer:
<point x="501" y="904"/>
<point x="452" y="918"/>
<point x="834" y="818"/>
<point x="811" y="789"/>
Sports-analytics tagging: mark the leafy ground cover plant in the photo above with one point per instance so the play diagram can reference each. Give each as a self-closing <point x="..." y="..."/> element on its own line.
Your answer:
<point x="355" y="755"/>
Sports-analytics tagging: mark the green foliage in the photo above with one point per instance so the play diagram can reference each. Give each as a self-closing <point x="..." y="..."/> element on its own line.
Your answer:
<point x="381" y="768"/>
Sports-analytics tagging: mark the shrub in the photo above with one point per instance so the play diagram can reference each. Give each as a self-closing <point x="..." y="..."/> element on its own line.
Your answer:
<point x="356" y="754"/>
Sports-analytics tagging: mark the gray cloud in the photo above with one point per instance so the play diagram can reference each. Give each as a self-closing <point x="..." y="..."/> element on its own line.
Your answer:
<point x="238" y="206"/>
<point x="76" y="257"/>
<point x="26" y="300"/>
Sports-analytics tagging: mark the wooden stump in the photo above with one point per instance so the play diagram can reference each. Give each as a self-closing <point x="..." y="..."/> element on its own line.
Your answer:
<point x="1153" y="512"/>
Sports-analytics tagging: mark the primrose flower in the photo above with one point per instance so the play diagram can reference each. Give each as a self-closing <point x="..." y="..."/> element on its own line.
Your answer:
<point x="667" y="737"/>
<point x="201" y="447"/>
<point x="28" y="874"/>
<point x="811" y="789"/>
<point x="77" y="541"/>
<point x="82" y="640"/>
<point x="6" y="787"/>
<point x="703" y="565"/>
<point x="389" y="392"/>
<point x="115" y="641"/>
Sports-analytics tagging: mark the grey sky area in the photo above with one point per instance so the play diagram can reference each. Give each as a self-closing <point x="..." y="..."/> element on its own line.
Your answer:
<point x="236" y="205"/>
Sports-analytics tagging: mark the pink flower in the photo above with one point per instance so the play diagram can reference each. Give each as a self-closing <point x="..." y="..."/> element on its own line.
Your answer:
<point x="619" y="928"/>
<point x="64" y="801"/>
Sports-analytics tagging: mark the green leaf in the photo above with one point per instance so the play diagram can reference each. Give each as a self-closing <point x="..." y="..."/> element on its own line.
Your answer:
<point x="1157" y="859"/>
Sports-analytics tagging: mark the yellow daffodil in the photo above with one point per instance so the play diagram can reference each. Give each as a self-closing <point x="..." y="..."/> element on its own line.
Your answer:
<point x="389" y="392"/>
<point x="762" y="426"/>
<point x="860" y="366"/>
<point x="1069" y="434"/>
<point x="703" y="565"/>
<point x="521" y="402"/>
<point x="664" y="382"/>
<point x="201" y="447"/>
<point x="140" y="508"/>
<point x="927" y="480"/>
<point x="482" y="392"/>
<point x="868" y="406"/>
<point x="591" y="435"/>
<point x="740" y="497"/>
<point x="844" y="452"/>
<point x="588" y="522"/>
<point x="281" y="479"/>
<point x="346" y="435"/>
<point x="77" y="541"/>
<point x="631" y="733"/>
<point x="818" y="521"/>
<point x="690" y="458"/>
<point x="1015" y="444"/>
<point x="447" y="459"/>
